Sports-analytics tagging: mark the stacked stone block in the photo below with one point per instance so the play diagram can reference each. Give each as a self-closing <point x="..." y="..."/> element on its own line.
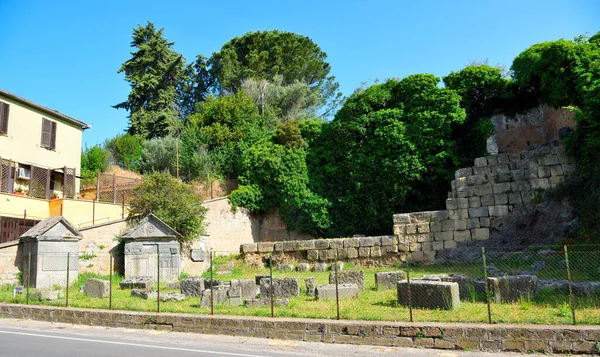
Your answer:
<point x="481" y="197"/>
<point x="324" y="250"/>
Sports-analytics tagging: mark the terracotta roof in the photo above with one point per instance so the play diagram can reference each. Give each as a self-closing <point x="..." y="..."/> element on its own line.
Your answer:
<point x="47" y="110"/>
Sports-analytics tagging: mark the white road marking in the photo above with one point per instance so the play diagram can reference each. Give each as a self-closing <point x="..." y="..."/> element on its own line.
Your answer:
<point x="131" y="344"/>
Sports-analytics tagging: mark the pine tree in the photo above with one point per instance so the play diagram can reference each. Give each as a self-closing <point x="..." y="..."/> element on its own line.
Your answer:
<point x="155" y="73"/>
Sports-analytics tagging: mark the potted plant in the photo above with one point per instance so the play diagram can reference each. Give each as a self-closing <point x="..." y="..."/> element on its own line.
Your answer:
<point x="54" y="196"/>
<point x="19" y="192"/>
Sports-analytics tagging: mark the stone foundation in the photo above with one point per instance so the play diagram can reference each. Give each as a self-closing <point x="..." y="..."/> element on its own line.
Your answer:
<point x="473" y="337"/>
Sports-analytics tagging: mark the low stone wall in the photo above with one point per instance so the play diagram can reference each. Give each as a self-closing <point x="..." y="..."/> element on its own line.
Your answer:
<point x="473" y="337"/>
<point x="481" y="197"/>
<point x="10" y="262"/>
<point x="325" y="249"/>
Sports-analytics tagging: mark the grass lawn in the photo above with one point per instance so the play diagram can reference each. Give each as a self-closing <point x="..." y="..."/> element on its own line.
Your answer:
<point x="372" y="304"/>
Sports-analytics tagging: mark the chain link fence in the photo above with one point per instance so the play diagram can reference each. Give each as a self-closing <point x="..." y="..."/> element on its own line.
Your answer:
<point x="542" y="285"/>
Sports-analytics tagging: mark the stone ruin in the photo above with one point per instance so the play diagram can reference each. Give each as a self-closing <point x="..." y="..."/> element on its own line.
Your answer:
<point x="349" y="277"/>
<point x="51" y="243"/>
<point x="148" y="241"/>
<point x="96" y="288"/>
<point x="388" y="280"/>
<point x="429" y="294"/>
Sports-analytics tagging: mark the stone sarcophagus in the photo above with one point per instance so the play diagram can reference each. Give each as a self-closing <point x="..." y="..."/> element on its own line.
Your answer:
<point x="152" y="246"/>
<point x="51" y="254"/>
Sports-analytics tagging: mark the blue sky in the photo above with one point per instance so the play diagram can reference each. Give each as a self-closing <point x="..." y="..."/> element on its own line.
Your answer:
<point x="65" y="54"/>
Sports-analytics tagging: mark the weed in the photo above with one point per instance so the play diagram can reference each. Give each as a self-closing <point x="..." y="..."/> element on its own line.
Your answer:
<point x="564" y="310"/>
<point x="87" y="256"/>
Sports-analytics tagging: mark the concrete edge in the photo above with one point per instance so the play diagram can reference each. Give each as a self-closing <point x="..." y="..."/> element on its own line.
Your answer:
<point x="447" y="336"/>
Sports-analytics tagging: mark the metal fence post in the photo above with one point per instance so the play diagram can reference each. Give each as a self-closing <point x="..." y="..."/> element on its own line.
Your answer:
<point x="410" y="306"/>
<point x="158" y="278"/>
<point x="271" y="285"/>
<point x="571" y="295"/>
<point x="28" y="277"/>
<point x="68" y="271"/>
<point x="212" y="306"/>
<point x="110" y="276"/>
<point x="487" y="287"/>
<point x="337" y="293"/>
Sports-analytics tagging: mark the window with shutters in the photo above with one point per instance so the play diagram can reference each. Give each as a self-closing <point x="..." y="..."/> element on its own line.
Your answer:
<point x="4" y="110"/>
<point x="48" y="134"/>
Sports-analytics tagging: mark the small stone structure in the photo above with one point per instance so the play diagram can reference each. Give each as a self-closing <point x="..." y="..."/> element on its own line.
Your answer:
<point x="143" y="244"/>
<point x="51" y="243"/>
<point x="311" y="285"/>
<point x="282" y="287"/>
<point x="349" y="277"/>
<point x="285" y="267"/>
<point x="320" y="267"/>
<point x="96" y="288"/>
<point x="512" y="288"/>
<point x="171" y="297"/>
<point x="429" y="294"/>
<point x="193" y="286"/>
<point x="461" y="279"/>
<point x="137" y="282"/>
<point x="144" y="294"/>
<point x="328" y="292"/>
<point x="248" y="288"/>
<point x="303" y="267"/>
<point x="388" y="280"/>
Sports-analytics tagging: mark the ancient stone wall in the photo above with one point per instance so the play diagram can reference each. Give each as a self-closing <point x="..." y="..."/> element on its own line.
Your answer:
<point x="325" y="249"/>
<point x="227" y="230"/>
<point x="10" y="262"/>
<point x="481" y="197"/>
<point x="97" y="243"/>
<point x="536" y="126"/>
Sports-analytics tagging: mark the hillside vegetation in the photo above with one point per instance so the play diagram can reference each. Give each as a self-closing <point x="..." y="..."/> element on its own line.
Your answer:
<point x="265" y="110"/>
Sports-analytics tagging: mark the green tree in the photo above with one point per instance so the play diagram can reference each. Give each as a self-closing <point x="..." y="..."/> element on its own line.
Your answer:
<point x="196" y="161"/>
<point x="267" y="55"/>
<point x="229" y="124"/>
<point x="280" y="103"/>
<point x="276" y="176"/>
<point x="481" y="88"/>
<point x="158" y="155"/>
<point x="547" y="69"/>
<point x="170" y="200"/>
<point x="155" y="73"/>
<point x="126" y="150"/>
<point x="93" y="160"/>
<point x="388" y="150"/>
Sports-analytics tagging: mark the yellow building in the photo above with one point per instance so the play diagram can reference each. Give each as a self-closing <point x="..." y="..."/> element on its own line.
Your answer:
<point x="40" y="160"/>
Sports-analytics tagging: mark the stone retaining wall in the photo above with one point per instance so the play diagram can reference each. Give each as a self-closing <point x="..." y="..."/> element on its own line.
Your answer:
<point x="324" y="249"/>
<point x="481" y="197"/>
<point x="474" y="337"/>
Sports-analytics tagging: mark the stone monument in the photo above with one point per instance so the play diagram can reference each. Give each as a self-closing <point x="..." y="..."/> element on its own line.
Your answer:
<point x="53" y="245"/>
<point x="147" y="242"/>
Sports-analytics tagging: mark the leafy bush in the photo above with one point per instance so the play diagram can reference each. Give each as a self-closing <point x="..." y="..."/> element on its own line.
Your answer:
<point x="159" y="155"/>
<point x="93" y="160"/>
<point x="126" y="150"/>
<point x="170" y="200"/>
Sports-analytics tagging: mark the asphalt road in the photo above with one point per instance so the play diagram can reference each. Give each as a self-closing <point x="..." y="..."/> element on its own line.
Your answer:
<point x="43" y="339"/>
